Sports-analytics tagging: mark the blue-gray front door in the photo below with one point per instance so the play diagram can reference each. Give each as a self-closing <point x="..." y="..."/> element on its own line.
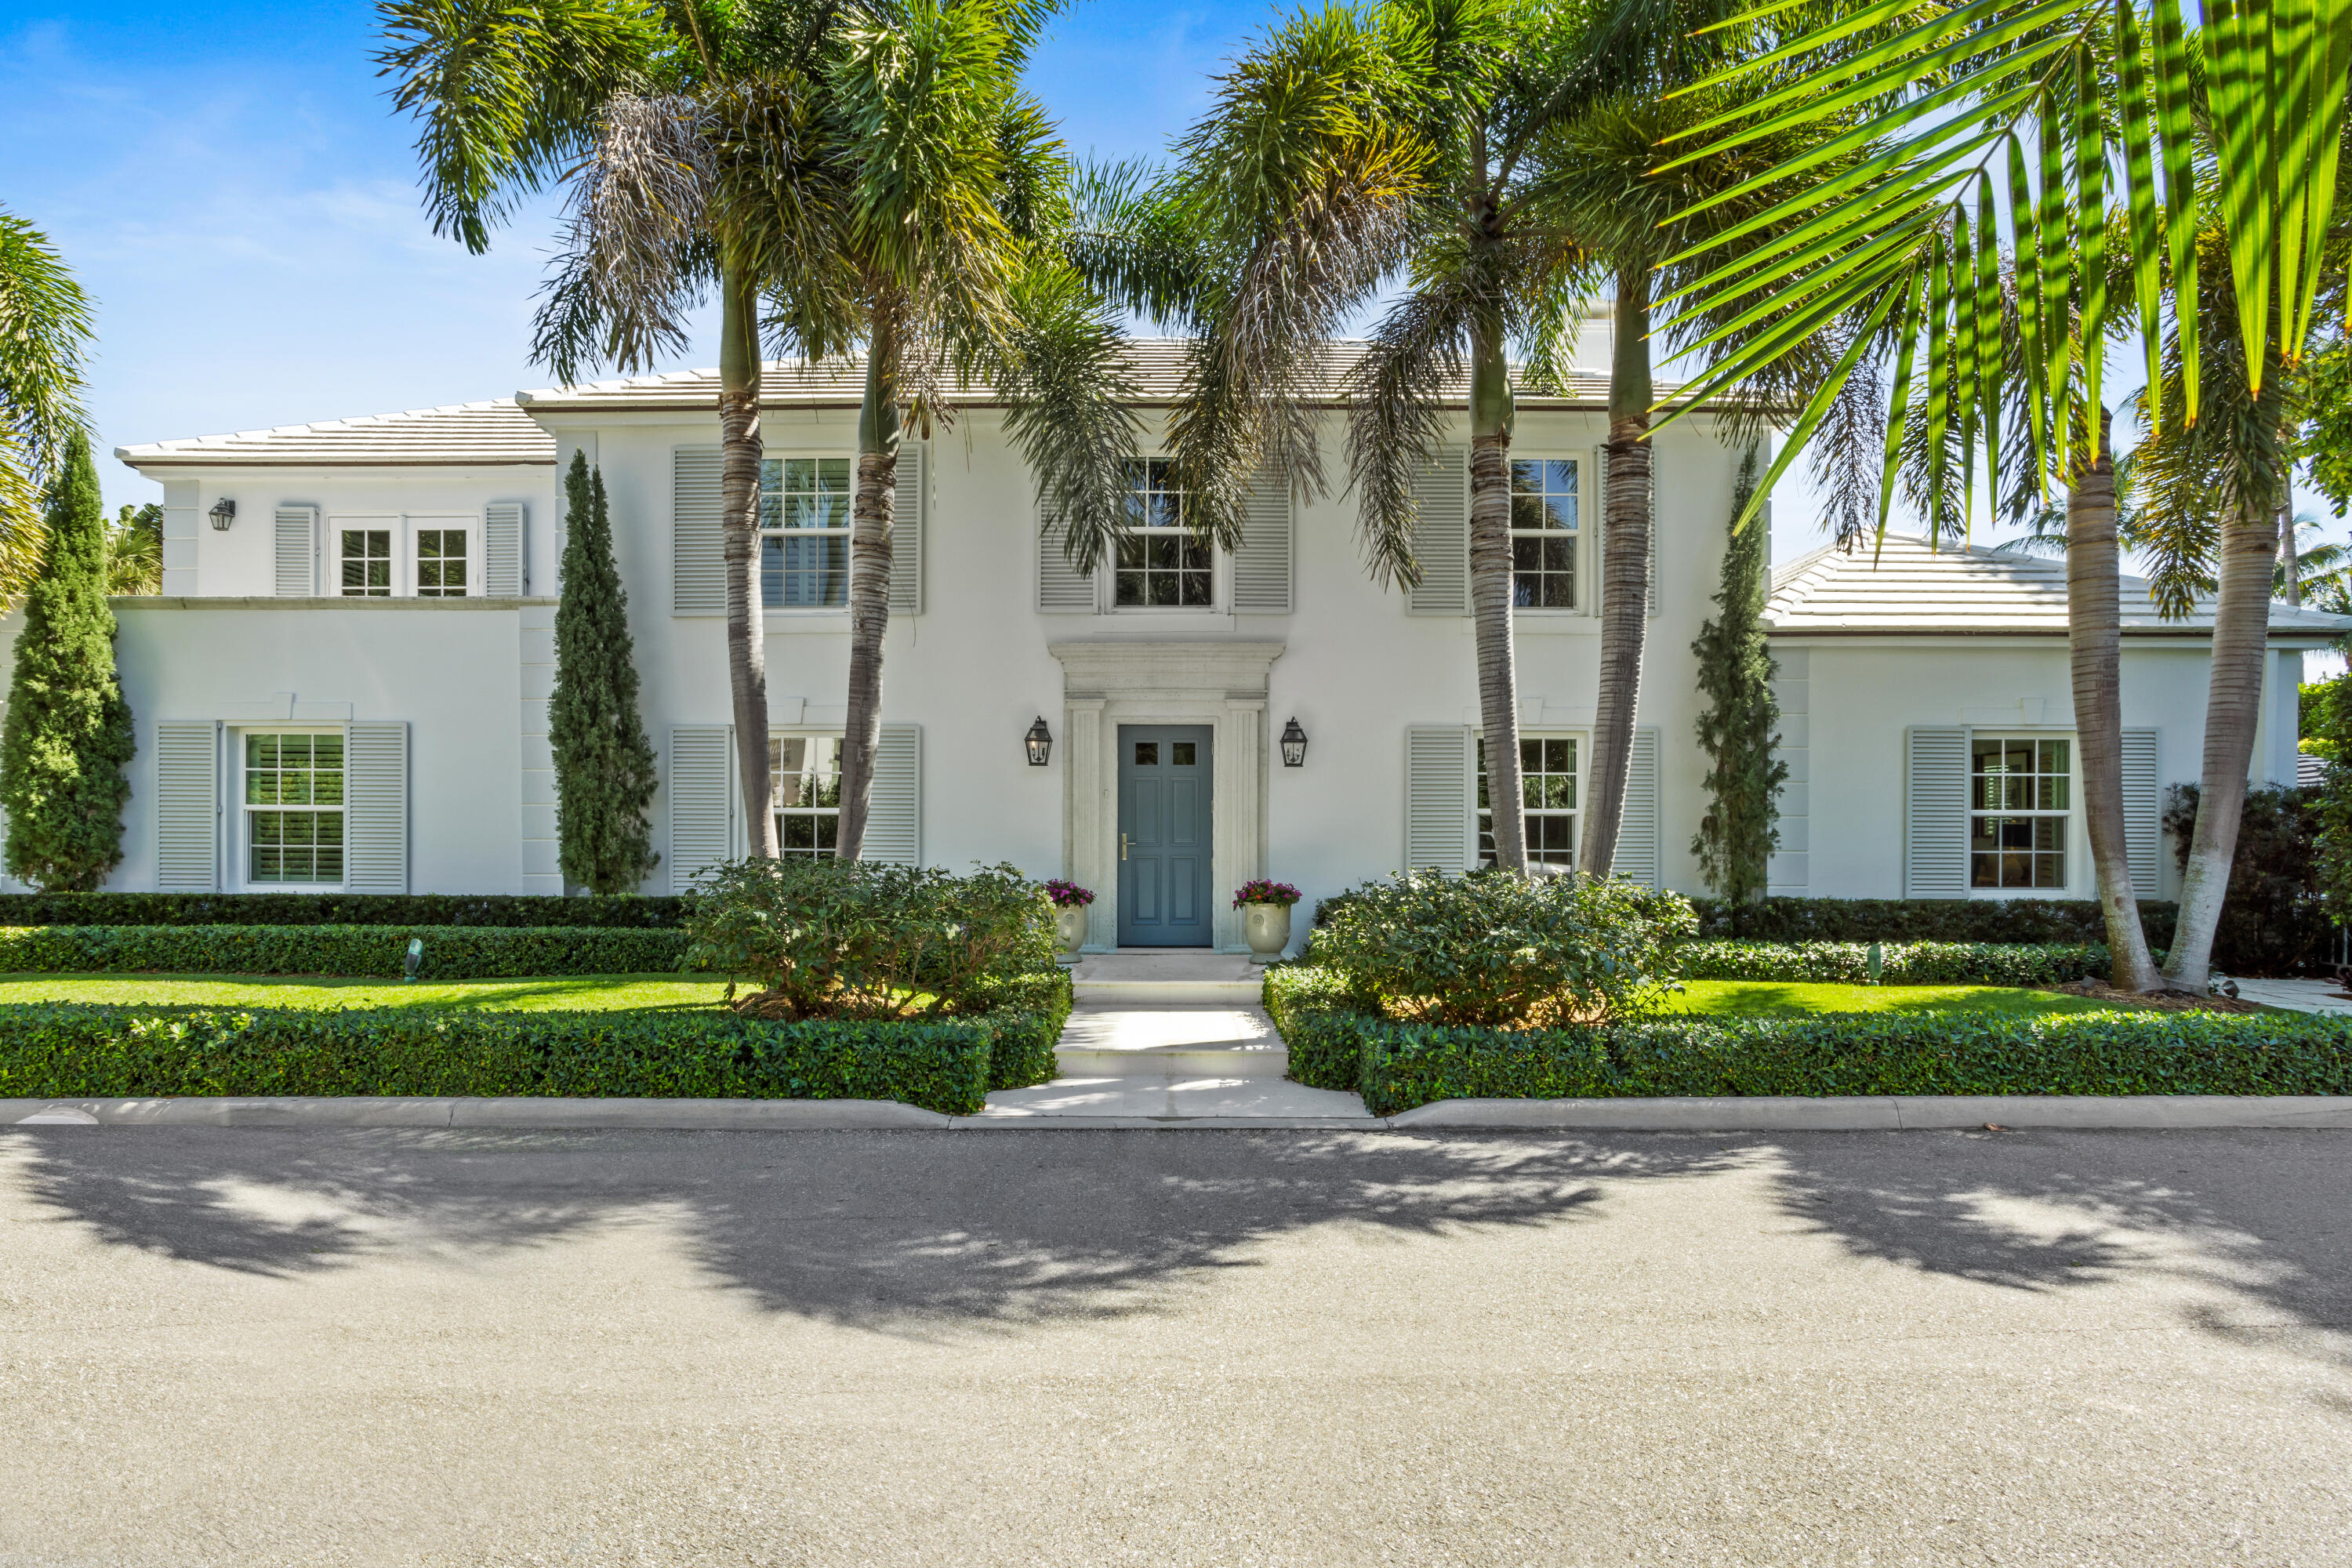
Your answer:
<point x="1164" y="897"/>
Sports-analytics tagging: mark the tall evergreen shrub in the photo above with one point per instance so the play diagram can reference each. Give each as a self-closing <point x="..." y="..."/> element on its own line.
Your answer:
<point x="67" y="736"/>
<point x="604" y="765"/>
<point x="1740" y="726"/>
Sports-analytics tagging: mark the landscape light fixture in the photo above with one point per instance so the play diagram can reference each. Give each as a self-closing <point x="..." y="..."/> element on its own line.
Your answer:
<point x="1040" y="742"/>
<point x="1294" y="745"/>
<point x="224" y="512"/>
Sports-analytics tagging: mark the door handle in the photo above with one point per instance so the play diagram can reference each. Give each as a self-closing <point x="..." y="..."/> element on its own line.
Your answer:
<point x="1122" y="845"/>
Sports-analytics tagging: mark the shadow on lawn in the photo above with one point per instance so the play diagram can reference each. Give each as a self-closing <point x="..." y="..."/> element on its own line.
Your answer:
<point x="917" y="1232"/>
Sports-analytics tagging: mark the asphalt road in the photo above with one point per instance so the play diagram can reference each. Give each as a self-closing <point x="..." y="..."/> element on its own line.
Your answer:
<point x="253" y="1347"/>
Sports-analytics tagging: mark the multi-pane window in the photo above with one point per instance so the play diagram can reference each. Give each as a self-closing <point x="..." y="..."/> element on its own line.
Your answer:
<point x="2019" y="801"/>
<point x="1543" y="533"/>
<point x="805" y="533"/>
<point x="294" y="807"/>
<point x="1547" y="785"/>
<point x="1159" y="563"/>
<point x="440" y="562"/>
<point x="367" y="562"/>
<point x="804" y="781"/>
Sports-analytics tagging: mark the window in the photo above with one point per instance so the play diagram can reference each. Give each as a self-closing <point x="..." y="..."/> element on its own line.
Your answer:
<point x="805" y="533"/>
<point x="1548" y="785"/>
<point x="294" y="808"/>
<point x="440" y="562"/>
<point x="804" y="781"/>
<point x="1159" y="564"/>
<point x="1543" y="533"/>
<point x="367" y="562"/>
<point x="2019" y="801"/>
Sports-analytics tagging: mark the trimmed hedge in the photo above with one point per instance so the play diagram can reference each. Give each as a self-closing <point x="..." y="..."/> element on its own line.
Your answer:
<point x="1025" y="1014"/>
<point x="65" y="1051"/>
<point x="1903" y="964"/>
<point x="2006" y="920"/>
<point x="451" y="953"/>
<point x="501" y="909"/>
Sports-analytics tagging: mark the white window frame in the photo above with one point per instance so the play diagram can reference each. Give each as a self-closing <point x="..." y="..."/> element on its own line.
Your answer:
<point x="404" y="527"/>
<point x="241" y="834"/>
<point x="1220" y="581"/>
<point x="845" y="533"/>
<point x="1579" y="556"/>
<point x="1582" y="741"/>
<point x="2077" y="843"/>
<point x="776" y="809"/>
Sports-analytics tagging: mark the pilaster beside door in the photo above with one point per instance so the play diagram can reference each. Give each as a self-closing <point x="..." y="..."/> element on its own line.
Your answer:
<point x="1166" y="896"/>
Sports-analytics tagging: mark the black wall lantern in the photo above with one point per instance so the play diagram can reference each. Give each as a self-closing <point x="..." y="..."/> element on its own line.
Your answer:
<point x="224" y="512"/>
<point x="1040" y="742"/>
<point x="1294" y="745"/>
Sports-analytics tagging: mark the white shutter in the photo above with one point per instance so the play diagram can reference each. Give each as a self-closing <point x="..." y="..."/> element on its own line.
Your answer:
<point x="907" y="533"/>
<point x="698" y="547"/>
<point x="1637" y="828"/>
<point x="1440" y="535"/>
<point x="297" y="542"/>
<point x="1438" y="793"/>
<point x="1601" y="529"/>
<point x="1262" y="565"/>
<point x="502" y="524"/>
<point x="1935" y="814"/>
<point x="894" y="811"/>
<point x="376" y="807"/>
<point x="1062" y="589"/>
<point x="701" y="802"/>
<point x="187" y="807"/>
<point x="2143" y="833"/>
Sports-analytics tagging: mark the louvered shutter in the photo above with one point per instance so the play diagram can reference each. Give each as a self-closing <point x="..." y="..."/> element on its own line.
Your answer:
<point x="907" y="533"/>
<point x="1637" y="828"/>
<point x="697" y="549"/>
<point x="297" y="543"/>
<point x="701" y="803"/>
<point x="1438" y="790"/>
<point x="894" y="811"/>
<point x="1062" y="589"/>
<point x="2143" y="831"/>
<point x="187" y="807"/>
<point x="376" y="807"/>
<point x="1262" y="565"/>
<point x="502" y="523"/>
<point x="1935" y="814"/>
<point x="1601" y="530"/>
<point x="1440" y="535"/>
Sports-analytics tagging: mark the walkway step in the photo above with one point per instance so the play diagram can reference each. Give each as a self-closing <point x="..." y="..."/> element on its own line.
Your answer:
<point x="1168" y="992"/>
<point x="1166" y="978"/>
<point x="1174" y="1061"/>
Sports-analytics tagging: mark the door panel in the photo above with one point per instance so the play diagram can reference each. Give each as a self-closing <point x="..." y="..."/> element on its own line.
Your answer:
<point x="1164" y="897"/>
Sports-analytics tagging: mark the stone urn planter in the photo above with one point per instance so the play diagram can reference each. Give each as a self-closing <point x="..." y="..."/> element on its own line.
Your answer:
<point x="1266" y="916"/>
<point x="1069" y="901"/>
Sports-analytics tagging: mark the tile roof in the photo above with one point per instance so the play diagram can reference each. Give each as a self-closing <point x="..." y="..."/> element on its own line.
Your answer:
<point x="464" y="435"/>
<point x="1910" y="589"/>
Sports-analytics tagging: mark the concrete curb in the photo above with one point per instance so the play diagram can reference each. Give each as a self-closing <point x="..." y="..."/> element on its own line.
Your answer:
<point x="1890" y="1112"/>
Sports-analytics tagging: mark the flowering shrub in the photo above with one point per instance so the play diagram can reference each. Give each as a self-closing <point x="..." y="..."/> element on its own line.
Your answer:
<point x="1264" y="892"/>
<point x="1065" y="895"/>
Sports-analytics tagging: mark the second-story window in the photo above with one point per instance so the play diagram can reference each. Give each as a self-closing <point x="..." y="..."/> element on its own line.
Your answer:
<point x="805" y="533"/>
<point x="1543" y="533"/>
<point x="366" y="563"/>
<point x="1161" y="563"/>
<point x="440" y="562"/>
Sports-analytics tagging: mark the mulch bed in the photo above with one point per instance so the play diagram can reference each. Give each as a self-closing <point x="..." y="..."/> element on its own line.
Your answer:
<point x="2155" y="1001"/>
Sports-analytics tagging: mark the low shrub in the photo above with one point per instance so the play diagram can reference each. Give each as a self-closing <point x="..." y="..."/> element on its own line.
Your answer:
<point x="1025" y="1014"/>
<point x="1495" y="947"/>
<point x="451" y="953"/>
<point x="2274" y="919"/>
<point x="57" y="1052"/>
<point x="501" y="909"/>
<point x="1317" y="1016"/>
<point x="2004" y="921"/>
<point x="1901" y="963"/>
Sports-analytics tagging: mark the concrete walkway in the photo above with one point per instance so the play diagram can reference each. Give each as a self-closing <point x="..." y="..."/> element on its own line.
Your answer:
<point x="2296" y="995"/>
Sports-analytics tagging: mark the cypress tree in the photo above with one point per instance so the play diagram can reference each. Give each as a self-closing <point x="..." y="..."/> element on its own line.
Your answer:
<point x="1740" y="727"/>
<point x="604" y="765"/>
<point x="68" y="735"/>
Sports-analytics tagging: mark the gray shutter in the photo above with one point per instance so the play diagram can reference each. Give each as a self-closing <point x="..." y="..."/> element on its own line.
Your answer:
<point x="297" y="542"/>
<point x="907" y="533"/>
<point x="1935" y="814"/>
<point x="1062" y="589"/>
<point x="697" y="549"/>
<point x="701" y="803"/>
<point x="894" y="811"/>
<point x="187" y="807"/>
<point x="1441" y="535"/>
<point x="1438" y="792"/>
<point x="1637" y="828"/>
<point x="375" y="808"/>
<point x="502" y="522"/>
<point x="1262" y="565"/>
<point x="1601" y="530"/>
<point x="2143" y="833"/>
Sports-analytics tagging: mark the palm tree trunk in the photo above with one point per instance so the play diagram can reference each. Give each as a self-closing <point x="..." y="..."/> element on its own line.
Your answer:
<point x="1625" y="570"/>
<point x="2233" y="706"/>
<point x="2289" y="565"/>
<point x="869" y="578"/>
<point x="1491" y="593"/>
<point x="747" y="658"/>
<point x="2095" y="637"/>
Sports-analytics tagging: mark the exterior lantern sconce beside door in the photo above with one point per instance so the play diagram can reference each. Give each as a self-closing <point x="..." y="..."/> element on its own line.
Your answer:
<point x="224" y="512"/>
<point x="1040" y="742"/>
<point x="1294" y="745"/>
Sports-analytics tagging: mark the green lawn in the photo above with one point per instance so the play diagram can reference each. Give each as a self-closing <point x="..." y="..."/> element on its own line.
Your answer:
<point x="1776" y="999"/>
<point x="671" y="992"/>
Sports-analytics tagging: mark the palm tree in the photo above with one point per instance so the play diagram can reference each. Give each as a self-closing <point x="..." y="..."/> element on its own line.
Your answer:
<point x="45" y="332"/>
<point x="134" y="550"/>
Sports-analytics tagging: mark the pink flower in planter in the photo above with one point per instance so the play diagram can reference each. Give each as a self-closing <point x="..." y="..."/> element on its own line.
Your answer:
<point x="1264" y="892"/>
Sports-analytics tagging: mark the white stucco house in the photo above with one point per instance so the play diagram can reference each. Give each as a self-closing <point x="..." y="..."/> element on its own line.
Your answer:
<point x="343" y="684"/>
